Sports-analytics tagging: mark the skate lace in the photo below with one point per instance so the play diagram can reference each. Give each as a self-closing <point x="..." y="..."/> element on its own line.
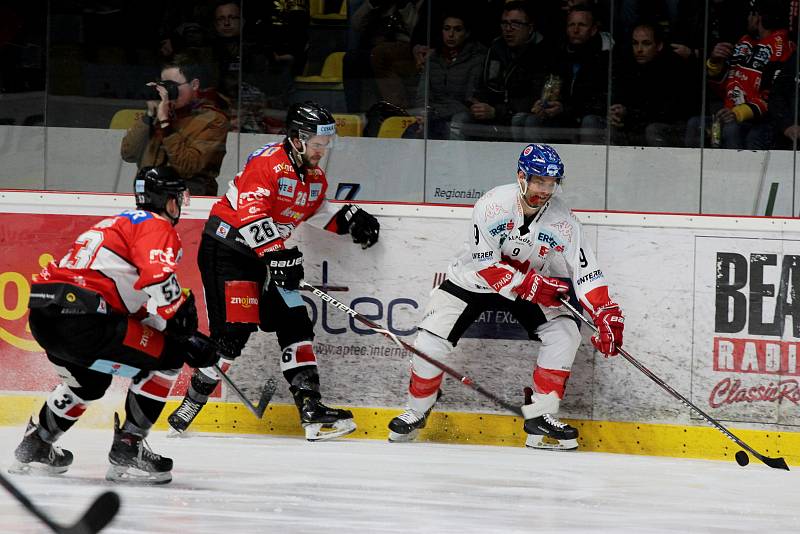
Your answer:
<point x="553" y="421"/>
<point x="146" y="453"/>
<point x="55" y="451"/>
<point x="188" y="410"/>
<point x="411" y="416"/>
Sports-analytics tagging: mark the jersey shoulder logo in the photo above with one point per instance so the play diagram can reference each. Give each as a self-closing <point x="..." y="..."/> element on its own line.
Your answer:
<point x="137" y="216"/>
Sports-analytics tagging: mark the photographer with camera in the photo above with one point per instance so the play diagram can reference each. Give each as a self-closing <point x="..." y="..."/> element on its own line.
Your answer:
<point x="184" y="126"/>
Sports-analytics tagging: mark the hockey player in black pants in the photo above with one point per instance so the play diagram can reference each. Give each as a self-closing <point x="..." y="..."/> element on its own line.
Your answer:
<point x="113" y="306"/>
<point x="523" y="243"/>
<point x="251" y="278"/>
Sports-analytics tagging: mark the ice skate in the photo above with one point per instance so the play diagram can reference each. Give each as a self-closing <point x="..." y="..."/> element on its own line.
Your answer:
<point x="547" y="432"/>
<point x="36" y="455"/>
<point x="321" y="422"/>
<point x="182" y="417"/>
<point x="406" y="426"/>
<point x="132" y="460"/>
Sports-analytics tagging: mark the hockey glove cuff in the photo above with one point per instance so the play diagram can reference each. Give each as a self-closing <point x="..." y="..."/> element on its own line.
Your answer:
<point x="541" y="290"/>
<point x="285" y="267"/>
<point x="200" y="351"/>
<point x="184" y="322"/>
<point x="610" y="323"/>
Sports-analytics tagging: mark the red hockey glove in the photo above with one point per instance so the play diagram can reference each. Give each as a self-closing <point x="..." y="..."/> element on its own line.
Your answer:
<point x="609" y="322"/>
<point x="541" y="289"/>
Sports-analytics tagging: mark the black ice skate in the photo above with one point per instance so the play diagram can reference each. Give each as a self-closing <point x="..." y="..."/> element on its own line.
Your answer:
<point x="406" y="426"/>
<point x="35" y="454"/>
<point x="182" y="417"/>
<point x="132" y="460"/>
<point x="319" y="421"/>
<point x="547" y="432"/>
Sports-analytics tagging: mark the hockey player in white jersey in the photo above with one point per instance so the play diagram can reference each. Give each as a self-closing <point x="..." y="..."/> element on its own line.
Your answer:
<point x="525" y="251"/>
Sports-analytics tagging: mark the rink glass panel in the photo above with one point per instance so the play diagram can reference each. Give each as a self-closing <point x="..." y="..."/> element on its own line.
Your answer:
<point x="69" y="68"/>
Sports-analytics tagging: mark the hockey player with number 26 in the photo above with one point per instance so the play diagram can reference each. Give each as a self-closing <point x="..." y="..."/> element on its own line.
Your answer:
<point x="244" y="258"/>
<point x="526" y="252"/>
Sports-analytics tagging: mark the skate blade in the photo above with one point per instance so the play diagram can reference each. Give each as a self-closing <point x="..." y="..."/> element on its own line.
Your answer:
<point x="130" y="475"/>
<point x="395" y="437"/>
<point x="173" y="433"/>
<point x="536" y="441"/>
<point x="326" y="431"/>
<point x="36" y="468"/>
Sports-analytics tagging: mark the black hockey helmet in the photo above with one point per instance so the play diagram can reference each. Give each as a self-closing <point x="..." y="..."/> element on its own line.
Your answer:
<point x="309" y="119"/>
<point x="154" y="186"/>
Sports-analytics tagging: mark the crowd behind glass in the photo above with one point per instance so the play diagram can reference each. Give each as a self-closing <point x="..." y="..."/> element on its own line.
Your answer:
<point x="670" y="73"/>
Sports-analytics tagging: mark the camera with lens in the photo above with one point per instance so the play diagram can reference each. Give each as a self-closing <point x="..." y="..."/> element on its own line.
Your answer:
<point x="151" y="93"/>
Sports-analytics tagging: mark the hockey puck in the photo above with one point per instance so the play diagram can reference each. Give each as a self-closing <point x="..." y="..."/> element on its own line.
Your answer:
<point x="742" y="458"/>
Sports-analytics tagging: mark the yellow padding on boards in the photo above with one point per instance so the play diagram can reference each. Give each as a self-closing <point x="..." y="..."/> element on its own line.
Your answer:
<point x="455" y="427"/>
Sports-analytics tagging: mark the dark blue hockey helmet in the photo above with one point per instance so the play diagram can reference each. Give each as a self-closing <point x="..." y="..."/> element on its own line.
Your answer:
<point x="541" y="160"/>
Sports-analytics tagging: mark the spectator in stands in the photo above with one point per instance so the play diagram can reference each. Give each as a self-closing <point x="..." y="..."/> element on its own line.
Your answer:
<point x="383" y="54"/>
<point x="186" y="130"/>
<point x="578" y="111"/>
<point x="741" y="76"/>
<point x="652" y="97"/>
<point x="423" y="44"/>
<point x="513" y="73"/>
<point x="783" y="106"/>
<point x="453" y="73"/>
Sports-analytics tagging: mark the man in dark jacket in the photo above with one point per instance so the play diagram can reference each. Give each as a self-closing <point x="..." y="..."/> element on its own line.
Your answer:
<point x="513" y="74"/>
<point x="578" y="107"/>
<point x="653" y="95"/>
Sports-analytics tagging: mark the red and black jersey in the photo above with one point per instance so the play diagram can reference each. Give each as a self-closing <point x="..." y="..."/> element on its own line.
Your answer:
<point x="129" y="261"/>
<point x="751" y="71"/>
<point x="267" y="200"/>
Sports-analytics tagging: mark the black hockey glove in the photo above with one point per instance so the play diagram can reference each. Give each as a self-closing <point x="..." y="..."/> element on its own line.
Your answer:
<point x="285" y="267"/>
<point x="200" y="351"/>
<point x="362" y="226"/>
<point x="184" y="322"/>
<point x="364" y="229"/>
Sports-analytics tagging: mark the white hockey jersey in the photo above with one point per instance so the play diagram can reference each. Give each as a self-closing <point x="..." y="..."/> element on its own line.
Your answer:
<point x="501" y="249"/>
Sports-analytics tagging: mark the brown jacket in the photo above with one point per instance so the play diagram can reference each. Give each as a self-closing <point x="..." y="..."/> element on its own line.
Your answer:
<point x="193" y="144"/>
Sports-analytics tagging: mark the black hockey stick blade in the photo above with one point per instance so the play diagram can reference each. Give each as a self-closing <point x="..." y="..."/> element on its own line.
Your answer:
<point x="266" y="393"/>
<point x="97" y="517"/>
<point x="775" y="463"/>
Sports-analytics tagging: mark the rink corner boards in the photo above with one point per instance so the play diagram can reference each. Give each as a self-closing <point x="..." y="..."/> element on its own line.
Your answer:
<point x="457" y="427"/>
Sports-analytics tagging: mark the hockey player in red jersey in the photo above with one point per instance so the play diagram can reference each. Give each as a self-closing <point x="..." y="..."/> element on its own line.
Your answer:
<point x="113" y="306"/>
<point x="244" y="258"/>
<point x="523" y="244"/>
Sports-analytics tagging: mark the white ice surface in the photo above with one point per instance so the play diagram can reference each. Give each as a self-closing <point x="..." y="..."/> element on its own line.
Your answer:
<point x="231" y="484"/>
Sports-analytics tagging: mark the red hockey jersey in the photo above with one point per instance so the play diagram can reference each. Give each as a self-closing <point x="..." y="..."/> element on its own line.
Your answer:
<point x="751" y="70"/>
<point x="129" y="261"/>
<point x="269" y="199"/>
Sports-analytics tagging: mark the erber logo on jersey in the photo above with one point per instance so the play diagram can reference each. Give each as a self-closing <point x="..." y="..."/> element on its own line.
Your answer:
<point x="326" y="129"/>
<point x="286" y="187"/>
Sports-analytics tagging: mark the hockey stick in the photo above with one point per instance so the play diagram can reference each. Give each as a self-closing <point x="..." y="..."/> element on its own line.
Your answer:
<point x="263" y="401"/>
<point x="95" y="519"/>
<point x="326" y="287"/>
<point x="776" y="463"/>
<point x="375" y="327"/>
